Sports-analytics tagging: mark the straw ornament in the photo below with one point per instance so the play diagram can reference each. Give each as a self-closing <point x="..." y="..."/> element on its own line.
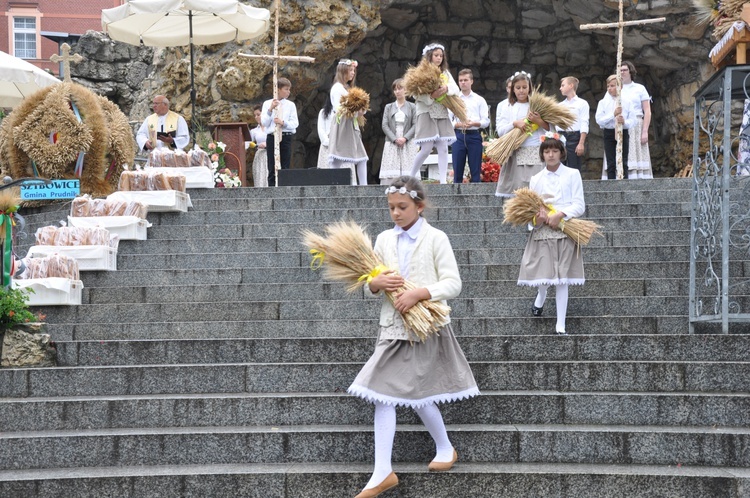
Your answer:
<point x="345" y="254"/>
<point x="548" y="108"/>
<point x="522" y="209"/>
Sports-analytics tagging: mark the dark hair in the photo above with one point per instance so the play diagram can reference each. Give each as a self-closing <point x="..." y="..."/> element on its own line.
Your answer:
<point x="631" y="67"/>
<point x="411" y="183"/>
<point x="552" y="143"/>
<point x="443" y="65"/>
<point x="520" y="76"/>
<point x="257" y="107"/>
<point x="283" y="83"/>
<point x="327" y="107"/>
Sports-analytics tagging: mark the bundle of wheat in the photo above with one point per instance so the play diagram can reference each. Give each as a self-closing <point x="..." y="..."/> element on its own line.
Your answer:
<point x="550" y="111"/>
<point x="521" y="210"/>
<point x="346" y="255"/>
<point x="424" y="79"/>
<point x="354" y="102"/>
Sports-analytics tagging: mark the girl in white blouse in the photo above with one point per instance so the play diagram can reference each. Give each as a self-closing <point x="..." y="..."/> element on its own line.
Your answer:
<point x="399" y="150"/>
<point x="260" y="161"/>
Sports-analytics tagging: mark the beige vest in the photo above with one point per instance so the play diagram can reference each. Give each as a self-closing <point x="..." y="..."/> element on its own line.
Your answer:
<point x="170" y="124"/>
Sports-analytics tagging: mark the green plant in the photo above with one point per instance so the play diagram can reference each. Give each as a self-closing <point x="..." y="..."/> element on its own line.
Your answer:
<point x="14" y="308"/>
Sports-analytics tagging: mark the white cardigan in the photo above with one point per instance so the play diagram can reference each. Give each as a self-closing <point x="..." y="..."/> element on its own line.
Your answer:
<point x="432" y="265"/>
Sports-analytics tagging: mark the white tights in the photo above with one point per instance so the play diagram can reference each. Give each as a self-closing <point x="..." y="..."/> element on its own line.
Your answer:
<point x="425" y="150"/>
<point x="385" y="430"/>
<point x="361" y="169"/>
<point x="561" y="298"/>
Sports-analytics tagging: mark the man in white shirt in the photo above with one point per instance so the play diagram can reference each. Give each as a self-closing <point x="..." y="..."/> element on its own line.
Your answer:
<point x="576" y="134"/>
<point x="287" y="118"/>
<point x="468" y="139"/>
<point x="163" y="128"/>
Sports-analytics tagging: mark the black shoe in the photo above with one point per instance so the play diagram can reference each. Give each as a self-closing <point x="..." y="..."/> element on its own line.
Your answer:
<point x="536" y="311"/>
<point x="561" y="333"/>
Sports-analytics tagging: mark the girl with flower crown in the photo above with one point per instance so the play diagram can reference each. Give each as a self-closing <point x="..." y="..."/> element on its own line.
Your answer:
<point x="345" y="138"/>
<point x="524" y="162"/>
<point x="260" y="161"/>
<point x="433" y="125"/>
<point x="550" y="256"/>
<point x="403" y="371"/>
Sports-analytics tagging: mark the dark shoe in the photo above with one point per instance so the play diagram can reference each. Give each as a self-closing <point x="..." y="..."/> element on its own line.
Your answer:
<point x="391" y="481"/>
<point x="561" y="332"/>
<point x="536" y="311"/>
<point x="443" y="466"/>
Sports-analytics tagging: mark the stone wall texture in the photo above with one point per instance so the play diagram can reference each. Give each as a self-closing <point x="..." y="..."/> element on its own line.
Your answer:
<point x="494" y="38"/>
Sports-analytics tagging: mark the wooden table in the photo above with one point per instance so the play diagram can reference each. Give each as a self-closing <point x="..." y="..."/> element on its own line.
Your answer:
<point x="234" y="135"/>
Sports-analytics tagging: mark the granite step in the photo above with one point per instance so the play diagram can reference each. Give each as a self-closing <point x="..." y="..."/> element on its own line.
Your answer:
<point x="516" y="240"/>
<point x="272" y="409"/>
<point x="469" y="273"/>
<point x="514" y="325"/>
<point x="336" y="291"/>
<point x="358" y="349"/>
<point x="570" y="376"/>
<point x="486" y="443"/>
<point x="311" y="308"/>
<point x="313" y="480"/>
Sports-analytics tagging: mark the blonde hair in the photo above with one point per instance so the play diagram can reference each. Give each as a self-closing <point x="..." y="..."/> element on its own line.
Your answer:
<point x="573" y="80"/>
<point x="342" y="75"/>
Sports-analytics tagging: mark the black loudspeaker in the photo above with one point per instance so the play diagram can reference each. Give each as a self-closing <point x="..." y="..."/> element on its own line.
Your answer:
<point x="314" y="176"/>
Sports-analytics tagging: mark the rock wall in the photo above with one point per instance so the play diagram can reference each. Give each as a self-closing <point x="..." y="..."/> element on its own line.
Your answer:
<point x="494" y="38"/>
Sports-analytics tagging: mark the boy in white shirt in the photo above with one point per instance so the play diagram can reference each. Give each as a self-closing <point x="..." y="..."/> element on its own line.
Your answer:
<point x="287" y="118"/>
<point x="576" y="134"/>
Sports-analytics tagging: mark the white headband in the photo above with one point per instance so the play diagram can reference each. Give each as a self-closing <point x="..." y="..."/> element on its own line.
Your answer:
<point x="518" y="73"/>
<point x="393" y="190"/>
<point x="432" y="46"/>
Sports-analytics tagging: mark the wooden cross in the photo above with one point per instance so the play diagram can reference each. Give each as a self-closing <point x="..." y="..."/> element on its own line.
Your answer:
<point x="620" y="25"/>
<point x="276" y="58"/>
<point x="66" y="58"/>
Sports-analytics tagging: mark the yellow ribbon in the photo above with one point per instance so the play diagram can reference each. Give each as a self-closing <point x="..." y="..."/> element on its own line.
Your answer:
<point x="532" y="127"/>
<point x="317" y="259"/>
<point x="374" y="273"/>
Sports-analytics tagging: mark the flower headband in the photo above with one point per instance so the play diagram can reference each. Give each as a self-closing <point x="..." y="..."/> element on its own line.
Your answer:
<point x="520" y="73"/>
<point x="349" y="62"/>
<point x="553" y="135"/>
<point x="393" y="190"/>
<point x="432" y="46"/>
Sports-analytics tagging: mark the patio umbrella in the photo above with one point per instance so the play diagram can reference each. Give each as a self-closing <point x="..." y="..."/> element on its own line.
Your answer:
<point x="176" y="23"/>
<point x="19" y="79"/>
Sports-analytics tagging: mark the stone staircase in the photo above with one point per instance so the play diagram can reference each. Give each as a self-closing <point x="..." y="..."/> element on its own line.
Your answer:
<point x="214" y="362"/>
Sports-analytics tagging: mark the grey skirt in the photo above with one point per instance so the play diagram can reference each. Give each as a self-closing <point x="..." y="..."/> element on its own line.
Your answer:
<point x="416" y="374"/>
<point x="429" y="129"/>
<point x="517" y="172"/>
<point x="551" y="262"/>
<point x="345" y="142"/>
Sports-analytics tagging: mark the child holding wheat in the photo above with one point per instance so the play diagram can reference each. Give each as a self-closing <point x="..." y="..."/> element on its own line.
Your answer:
<point x="350" y="103"/>
<point x="523" y="163"/>
<point x="551" y="257"/>
<point x="403" y="371"/>
<point x="433" y="125"/>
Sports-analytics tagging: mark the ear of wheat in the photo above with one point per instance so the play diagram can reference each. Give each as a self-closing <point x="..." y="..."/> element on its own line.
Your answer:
<point x="345" y="254"/>
<point x="354" y="102"/>
<point x="521" y="209"/>
<point x="424" y="79"/>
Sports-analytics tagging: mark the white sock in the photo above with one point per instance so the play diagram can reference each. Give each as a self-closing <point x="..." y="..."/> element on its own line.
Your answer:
<point x="362" y="172"/>
<point x="561" y="299"/>
<point x="385" y="430"/>
<point x="442" y="150"/>
<point x="424" y="151"/>
<point x="433" y="421"/>
<point x="541" y="296"/>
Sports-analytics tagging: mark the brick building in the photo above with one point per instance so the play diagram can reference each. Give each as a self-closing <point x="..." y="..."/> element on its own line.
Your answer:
<point x="34" y="29"/>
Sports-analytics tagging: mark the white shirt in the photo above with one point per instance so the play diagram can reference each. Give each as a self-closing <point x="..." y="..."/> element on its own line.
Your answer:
<point x="181" y="139"/>
<point x="563" y="189"/>
<point x="476" y="110"/>
<point x="324" y="127"/>
<point x="581" y="109"/>
<point x="499" y="112"/>
<point x="605" y="113"/>
<point x="287" y="112"/>
<point x="512" y="113"/>
<point x="337" y="91"/>
<point x="635" y="93"/>
<point x="258" y="135"/>
<point x="407" y="240"/>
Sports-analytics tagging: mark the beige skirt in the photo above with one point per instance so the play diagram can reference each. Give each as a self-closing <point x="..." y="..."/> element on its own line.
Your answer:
<point x="260" y="168"/>
<point x="429" y="129"/>
<point x="639" y="157"/>
<point x="550" y="261"/>
<point x="416" y="374"/>
<point x="517" y="172"/>
<point x="345" y="142"/>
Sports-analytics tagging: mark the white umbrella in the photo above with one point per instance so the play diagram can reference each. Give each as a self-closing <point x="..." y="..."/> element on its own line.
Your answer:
<point x="19" y="79"/>
<point x="176" y="23"/>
